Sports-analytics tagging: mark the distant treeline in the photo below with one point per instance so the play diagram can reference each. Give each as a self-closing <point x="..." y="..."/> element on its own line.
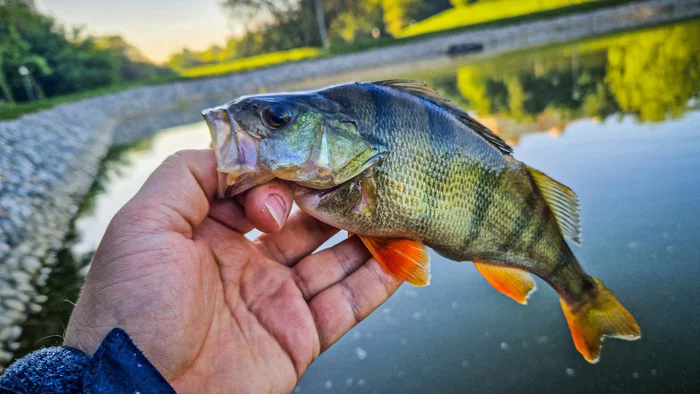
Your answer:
<point x="286" y="24"/>
<point x="61" y="61"/>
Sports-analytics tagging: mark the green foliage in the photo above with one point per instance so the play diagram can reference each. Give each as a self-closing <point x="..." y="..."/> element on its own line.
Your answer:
<point x="293" y="24"/>
<point x="60" y="62"/>
<point x="655" y="73"/>
<point x="356" y="24"/>
<point x="396" y="14"/>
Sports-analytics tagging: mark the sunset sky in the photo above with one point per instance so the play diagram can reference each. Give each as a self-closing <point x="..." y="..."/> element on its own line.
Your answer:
<point x="157" y="27"/>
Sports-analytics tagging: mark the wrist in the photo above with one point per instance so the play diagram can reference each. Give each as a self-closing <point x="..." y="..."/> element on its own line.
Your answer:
<point x="83" y="337"/>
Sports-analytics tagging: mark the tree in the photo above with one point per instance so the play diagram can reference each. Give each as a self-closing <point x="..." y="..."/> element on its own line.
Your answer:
<point x="61" y="61"/>
<point x="285" y="24"/>
<point x="14" y="49"/>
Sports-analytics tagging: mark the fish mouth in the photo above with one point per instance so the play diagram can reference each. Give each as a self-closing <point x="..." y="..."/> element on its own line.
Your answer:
<point x="236" y="153"/>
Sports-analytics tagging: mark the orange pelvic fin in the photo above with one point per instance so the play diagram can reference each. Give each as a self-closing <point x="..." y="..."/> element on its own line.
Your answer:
<point x="600" y="316"/>
<point x="515" y="283"/>
<point x="403" y="258"/>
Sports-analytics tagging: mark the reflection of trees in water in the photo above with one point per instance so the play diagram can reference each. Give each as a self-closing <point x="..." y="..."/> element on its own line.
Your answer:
<point x="655" y="73"/>
<point x="526" y="89"/>
<point x="652" y="74"/>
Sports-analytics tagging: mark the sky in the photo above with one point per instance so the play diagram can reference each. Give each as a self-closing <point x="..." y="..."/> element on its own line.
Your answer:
<point x="157" y="28"/>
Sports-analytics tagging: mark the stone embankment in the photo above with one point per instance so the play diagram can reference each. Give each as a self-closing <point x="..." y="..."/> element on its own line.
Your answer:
<point x="49" y="159"/>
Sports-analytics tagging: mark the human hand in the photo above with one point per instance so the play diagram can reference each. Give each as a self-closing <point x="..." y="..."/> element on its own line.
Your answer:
<point x="211" y="309"/>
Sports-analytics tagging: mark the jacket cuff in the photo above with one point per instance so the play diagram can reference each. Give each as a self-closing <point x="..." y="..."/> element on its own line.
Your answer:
<point x="118" y="366"/>
<point x="53" y="370"/>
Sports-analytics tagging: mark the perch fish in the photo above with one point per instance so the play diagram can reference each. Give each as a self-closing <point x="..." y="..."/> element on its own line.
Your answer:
<point x="405" y="169"/>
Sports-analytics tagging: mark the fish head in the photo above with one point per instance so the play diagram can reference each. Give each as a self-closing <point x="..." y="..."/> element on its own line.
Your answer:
<point x="303" y="138"/>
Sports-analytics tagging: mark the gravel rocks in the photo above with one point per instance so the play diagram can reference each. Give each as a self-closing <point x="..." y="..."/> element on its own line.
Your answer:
<point x="49" y="159"/>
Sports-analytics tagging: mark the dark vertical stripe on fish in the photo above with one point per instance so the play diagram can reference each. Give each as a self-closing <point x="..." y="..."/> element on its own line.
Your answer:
<point x="383" y="114"/>
<point x="520" y="224"/>
<point x="539" y="232"/>
<point x="486" y="185"/>
<point x="563" y="260"/>
<point x="439" y="141"/>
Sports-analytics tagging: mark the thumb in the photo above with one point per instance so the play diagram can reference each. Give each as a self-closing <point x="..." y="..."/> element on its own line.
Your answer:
<point x="176" y="196"/>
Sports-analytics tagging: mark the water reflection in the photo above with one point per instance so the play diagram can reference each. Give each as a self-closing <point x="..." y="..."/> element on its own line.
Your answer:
<point x="125" y="177"/>
<point x="624" y="145"/>
<point x="651" y="74"/>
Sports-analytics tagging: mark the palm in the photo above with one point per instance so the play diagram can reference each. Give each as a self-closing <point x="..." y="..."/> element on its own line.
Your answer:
<point x="258" y="310"/>
<point x="215" y="311"/>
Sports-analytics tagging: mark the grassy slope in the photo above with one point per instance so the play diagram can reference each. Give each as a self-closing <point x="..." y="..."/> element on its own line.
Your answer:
<point x="253" y="62"/>
<point x="485" y="11"/>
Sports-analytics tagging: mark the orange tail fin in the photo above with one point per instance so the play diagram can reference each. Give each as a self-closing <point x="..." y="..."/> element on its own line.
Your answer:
<point x="403" y="258"/>
<point x="600" y="316"/>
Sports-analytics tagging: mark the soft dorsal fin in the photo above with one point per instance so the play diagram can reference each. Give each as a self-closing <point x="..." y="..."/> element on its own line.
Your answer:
<point x="420" y="89"/>
<point x="562" y="201"/>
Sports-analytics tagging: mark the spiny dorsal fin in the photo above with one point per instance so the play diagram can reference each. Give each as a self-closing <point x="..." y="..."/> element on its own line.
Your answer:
<point x="422" y="90"/>
<point x="562" y="201"/>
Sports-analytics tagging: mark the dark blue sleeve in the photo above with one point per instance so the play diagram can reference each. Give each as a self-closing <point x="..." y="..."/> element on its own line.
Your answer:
<point x="118" y="366"/>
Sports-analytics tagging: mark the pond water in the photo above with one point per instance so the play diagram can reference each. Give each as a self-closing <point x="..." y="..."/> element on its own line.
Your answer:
<point x="615" y="118"/>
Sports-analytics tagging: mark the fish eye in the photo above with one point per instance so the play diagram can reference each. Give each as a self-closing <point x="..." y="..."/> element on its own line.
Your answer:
<point x="276" y="117"/>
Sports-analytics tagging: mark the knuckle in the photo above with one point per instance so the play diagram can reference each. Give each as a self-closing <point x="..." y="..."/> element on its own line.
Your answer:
<point x="353" y="301"/>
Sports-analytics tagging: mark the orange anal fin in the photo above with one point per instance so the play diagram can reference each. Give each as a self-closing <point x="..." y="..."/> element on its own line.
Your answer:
<point x="515" y="283"/>
<point x="600" y="316"/>
<point x="403" y="258"/>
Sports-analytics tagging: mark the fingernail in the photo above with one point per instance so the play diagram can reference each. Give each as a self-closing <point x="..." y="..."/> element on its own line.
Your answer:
<point x="275" y="205"/>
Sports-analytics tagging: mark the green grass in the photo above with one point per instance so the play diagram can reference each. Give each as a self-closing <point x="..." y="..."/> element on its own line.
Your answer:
<point x="250" y="63"/>
<point x="485" y="11"/>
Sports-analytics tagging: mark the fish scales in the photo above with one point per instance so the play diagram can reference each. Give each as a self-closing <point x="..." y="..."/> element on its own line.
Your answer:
<point x="455" y="192"/>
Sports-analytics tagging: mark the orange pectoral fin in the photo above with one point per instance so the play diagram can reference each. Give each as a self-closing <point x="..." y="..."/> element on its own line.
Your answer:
<point x="516" y="284"/>
<point x="403" y="258"/>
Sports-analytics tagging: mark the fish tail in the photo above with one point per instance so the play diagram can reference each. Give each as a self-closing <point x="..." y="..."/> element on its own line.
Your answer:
<point x="600" y="315"/>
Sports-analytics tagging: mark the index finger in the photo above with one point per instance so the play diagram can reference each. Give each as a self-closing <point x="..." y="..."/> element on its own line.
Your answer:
<point x="342" y="306"/>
